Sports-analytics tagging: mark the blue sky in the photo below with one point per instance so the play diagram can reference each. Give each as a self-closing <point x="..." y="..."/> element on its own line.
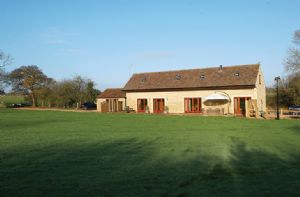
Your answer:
<point x="107" y="41"/>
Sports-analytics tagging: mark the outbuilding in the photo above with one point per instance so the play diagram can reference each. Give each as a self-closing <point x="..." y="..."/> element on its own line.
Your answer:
<point x="111" y="100"/>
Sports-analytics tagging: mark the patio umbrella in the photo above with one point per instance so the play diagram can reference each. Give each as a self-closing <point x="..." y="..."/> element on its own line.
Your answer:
<point x="216" y="96"/>
<point x="216" y="99"/>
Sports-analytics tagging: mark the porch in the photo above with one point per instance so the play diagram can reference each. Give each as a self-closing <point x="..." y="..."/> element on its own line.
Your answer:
<point x="222" y="104"/>
<point x="112" y="105"/>
<point x="111" y="100"/>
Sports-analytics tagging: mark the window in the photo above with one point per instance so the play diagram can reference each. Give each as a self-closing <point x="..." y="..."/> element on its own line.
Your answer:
<point x="192" y="105"/>
<point x="142" y="105"/>
<point x="158" y="105"/>
<point x="202" y="76"/>
<point x="143" y="79"/>
<point x="259" y="79"/>
<point x="237" y="74"/>
<point x="178" y="77"/>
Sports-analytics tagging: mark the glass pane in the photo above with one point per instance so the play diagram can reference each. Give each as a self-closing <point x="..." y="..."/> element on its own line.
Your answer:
<point x="159" y="102"/>
<point x="235" y="104"/>
<point x="155" y="105"/>
<point x="195" y="104"/>
<point x="242" y="103"/>
<point x="199" y="105"/>
<point x="142" y="104"/>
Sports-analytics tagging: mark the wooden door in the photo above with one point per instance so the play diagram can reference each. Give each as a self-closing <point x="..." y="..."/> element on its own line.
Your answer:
<point x="192" y="105"/>
<point x="158" y="105"/>
<point x="104" y="106"/>
<point x="113" y="107"/>
<point x="141" y="105"/>
<point x="120" y="106"/>
<point x="240" y="105"/>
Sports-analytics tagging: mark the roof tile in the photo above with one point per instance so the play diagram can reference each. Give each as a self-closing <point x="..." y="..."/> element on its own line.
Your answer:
<point x="113" y="93"/>
<point x="213" y="77"/>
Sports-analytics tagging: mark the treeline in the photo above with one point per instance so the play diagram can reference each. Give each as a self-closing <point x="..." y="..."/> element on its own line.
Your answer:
<point x="289" y="86"/>
<point x="43" y="91"/>
<point x="289" y="92"/>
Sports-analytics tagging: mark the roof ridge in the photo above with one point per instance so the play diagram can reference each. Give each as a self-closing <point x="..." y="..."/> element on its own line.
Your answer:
<point x="113" y="89"/>
<point x="112" y="93"/>
<point x="257" y="64"/>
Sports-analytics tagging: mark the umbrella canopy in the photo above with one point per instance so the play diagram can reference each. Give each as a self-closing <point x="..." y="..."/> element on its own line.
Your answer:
<point x="216" y="99"/>
<point x="216" y="96"/>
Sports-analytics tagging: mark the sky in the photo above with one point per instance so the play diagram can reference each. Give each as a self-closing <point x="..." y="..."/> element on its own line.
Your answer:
<point x="108" y="41"/>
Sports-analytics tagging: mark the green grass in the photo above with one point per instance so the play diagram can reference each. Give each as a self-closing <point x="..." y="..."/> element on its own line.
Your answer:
<point x="87" y="154"/>
<point x="8" y="99"/>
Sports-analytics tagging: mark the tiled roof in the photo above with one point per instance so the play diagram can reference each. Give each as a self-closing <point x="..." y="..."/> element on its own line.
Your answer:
<point x="113" y="93"/>
<point x="229" y="76"/>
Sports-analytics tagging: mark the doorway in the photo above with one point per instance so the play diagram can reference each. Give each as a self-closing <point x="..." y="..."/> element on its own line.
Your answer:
<point x="192" y="105"/>
<point x="142" y="105"/>
<point x="240" y="105"/>
<point x="158" y="105"/>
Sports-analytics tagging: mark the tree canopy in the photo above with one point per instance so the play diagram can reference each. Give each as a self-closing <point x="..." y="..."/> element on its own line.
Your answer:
<point x="28" y="79"/>
<point x="292" y="62"/>
<point x="73" y="92"/>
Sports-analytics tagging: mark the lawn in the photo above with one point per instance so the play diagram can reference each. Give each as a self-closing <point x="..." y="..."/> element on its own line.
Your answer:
<point x="86" y="154"/>
<point x="10" y="99"/>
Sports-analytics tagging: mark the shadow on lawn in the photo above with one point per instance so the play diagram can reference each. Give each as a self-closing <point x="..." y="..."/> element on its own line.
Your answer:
<point x="132" y="168"/>
<point x="296" y="128"/>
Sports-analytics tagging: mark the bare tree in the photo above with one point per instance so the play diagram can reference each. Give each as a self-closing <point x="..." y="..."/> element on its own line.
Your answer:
<point x="292" y="62"/>
<point x="5" y="60"/>
<point x="296" y="39"/>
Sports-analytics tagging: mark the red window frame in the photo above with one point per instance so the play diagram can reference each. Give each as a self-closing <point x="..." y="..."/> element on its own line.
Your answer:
<point x="192" y="109"/>
<point x="158" y="105"/>
<point x="145" y="104"/>
<point x="237" y="107"/>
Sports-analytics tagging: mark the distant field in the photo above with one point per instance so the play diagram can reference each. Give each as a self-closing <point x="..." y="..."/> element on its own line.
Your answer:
<point x="7" y="100"/>
<point x="48" y="153"/>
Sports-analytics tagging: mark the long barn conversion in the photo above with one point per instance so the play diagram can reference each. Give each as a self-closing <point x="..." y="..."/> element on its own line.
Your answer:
<point x="237" y="90"/>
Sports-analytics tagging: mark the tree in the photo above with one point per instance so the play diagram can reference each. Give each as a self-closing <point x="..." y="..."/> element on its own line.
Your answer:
<point x="294" y="85"/>
<point x="5" y="60"/>
<point x="65" y="93"/>
<point x="91" y="92"/>
<point x="79" y="85"/>
<point x="73" y="92"/>
<point x="292" y="62"/>
<point x="289" y="91"/>
<point x="45" y="92"/>
<point x="28" y="79"/>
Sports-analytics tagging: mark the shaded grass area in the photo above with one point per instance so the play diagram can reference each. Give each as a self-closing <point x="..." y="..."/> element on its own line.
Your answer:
<point x="10" y="99"/>
<point x="66" y="153"/>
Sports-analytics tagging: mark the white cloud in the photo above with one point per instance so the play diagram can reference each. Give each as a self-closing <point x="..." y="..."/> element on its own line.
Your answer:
<point x="56" y="36"/>
<point x="57" y="41"/>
